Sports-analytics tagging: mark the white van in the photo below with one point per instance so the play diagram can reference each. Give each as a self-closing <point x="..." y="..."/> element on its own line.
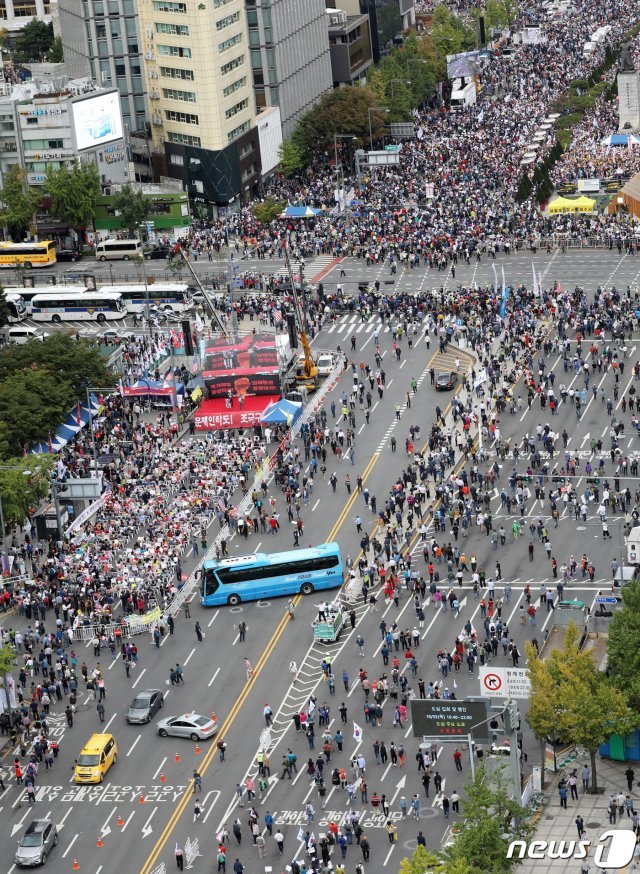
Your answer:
<point x="461" y="98"/>
<point x="21" y="334"/>
<point x="111" y="250"/>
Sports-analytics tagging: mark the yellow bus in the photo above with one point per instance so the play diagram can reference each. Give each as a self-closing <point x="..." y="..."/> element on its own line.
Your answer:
<point x="41" y="254"/>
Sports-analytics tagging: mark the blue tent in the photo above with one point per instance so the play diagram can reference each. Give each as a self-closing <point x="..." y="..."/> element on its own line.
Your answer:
<point x="620" y="140"/>
<point x="282" y="412"/>
<point x="300" y="212"/>
<point x="70" y="427"/>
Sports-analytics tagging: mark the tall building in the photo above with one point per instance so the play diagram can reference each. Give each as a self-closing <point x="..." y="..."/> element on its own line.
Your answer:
<point x="101" y="41"/>
<point x="290" y="56"/>
<point x="201" y="101"/>
<point x="388" y="19"/>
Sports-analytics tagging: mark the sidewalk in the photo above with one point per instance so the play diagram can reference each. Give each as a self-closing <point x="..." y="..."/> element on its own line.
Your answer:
<point x="556" y="824"/>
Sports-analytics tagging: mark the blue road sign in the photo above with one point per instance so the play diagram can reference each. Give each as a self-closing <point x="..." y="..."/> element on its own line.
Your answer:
<point x="609" y="599"/>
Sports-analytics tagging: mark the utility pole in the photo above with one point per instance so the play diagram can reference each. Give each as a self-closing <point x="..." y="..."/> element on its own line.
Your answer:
<point x="511" y="727"/>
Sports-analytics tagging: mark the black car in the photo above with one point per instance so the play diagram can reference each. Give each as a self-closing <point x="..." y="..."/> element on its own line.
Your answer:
<point x="158" y="253"/>
<point x="68" y="255"/>
<point x="445" y="380"/>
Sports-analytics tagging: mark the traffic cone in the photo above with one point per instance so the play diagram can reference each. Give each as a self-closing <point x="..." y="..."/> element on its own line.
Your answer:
<point x="99" y="843"/>
<point x="213" y="716"/>
<point x="75" y="865"/>
<point x="163" y="779"/>
<point x="120" y="821"/>
<point x="177" y="757"/>
<point x="197" y="749"/>
<point x="141" y="799"/>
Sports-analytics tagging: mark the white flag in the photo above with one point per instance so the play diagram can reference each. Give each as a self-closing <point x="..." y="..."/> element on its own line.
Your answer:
<point x="455" y="685"/>
<point x="536" y="290"/>
<point x="357" y="732"/>
<point x="300" y="834"/>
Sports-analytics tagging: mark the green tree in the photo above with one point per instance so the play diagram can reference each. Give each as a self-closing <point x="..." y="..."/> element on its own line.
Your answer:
<point x="74" y="190"/>
<point x="266" y="211"/>
<point x="22" y="489"/>
<point x="18" y="202"/>
<point x="290" y="158"/>
<point x="134" y="208"/>
<point x="43" y="402"/>
<point x="623" y="645"/>
<point x="570" y="697"/>
<point x="7" y="664"/>
<point x="76" y="363"/>
<point x="485" y="826"/>
<point x="34" y="41"/>
<point x="449" y="33"/>
<point x="421" y="861"/>
<point x="342" y="111"/>
<point x="56" y="53"/>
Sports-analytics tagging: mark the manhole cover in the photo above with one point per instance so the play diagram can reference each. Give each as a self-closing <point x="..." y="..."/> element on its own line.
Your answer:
<point x="549" y="818"/>
<point x="593" y="825"/>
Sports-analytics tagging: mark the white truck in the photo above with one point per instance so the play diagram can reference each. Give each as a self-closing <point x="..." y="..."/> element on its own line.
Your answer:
<point x="463" y="95"/>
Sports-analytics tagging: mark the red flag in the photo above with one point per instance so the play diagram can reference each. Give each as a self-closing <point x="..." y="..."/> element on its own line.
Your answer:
<point x="49" y="442"/>
<point x="79" y="416"/>
<point x="101" y="400"/>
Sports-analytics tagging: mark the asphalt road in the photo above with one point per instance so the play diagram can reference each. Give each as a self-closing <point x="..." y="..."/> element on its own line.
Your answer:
<point x="150" y="791"/>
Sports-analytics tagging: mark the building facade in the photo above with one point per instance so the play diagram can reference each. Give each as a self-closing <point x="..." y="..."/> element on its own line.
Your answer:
<point x="290" y="58"/>
<point x="169" y="213"/>
<point x="101" y="41"/>
<point x="202" y="107"/>
<point x="388" y="20"/>
<point x="15" y="14"/>
<point x="350" y="46"/>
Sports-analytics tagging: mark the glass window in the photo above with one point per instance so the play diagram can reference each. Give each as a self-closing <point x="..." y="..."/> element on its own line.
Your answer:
<point x="236" y="108"/>
<point x="252" y="17"/>
<point x="130" y="26"/>
<point x="176" y="94"/>
<point x="174" y="51"/>
<point x="182" y="117"/>
<point x="227" y="21"/>
<point x="121" y="70"/>
<point x="235" y="86"/>
<point x="176" y="29"/>
<point x="169" y="6"/>
<point x="232" y="65"/>
<point x="254" y="38"/>
<point x="176" y="159"/>
<point x="238" y="131"/>
<point x="228" y="43"/>
<point x="128" y="7"/>
<point x="217" y="4"/>
<point x="118" y="48"/>
<point x="183" y="139"/>
<point x="176" y="73"/>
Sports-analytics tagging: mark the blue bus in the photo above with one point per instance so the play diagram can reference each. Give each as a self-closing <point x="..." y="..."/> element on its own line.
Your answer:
<point x="252" y="577"/>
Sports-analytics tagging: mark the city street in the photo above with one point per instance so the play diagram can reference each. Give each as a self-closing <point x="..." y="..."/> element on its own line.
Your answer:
<point x="149" y="789"/>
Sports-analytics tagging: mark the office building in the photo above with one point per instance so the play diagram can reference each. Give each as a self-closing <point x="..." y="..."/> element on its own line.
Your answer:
<point x="290" y="57"/>
<point x="101" y="41"/>
<point x="201" y="102"/>
<point x="350" y="46"/>
<point x="388" y="20"/>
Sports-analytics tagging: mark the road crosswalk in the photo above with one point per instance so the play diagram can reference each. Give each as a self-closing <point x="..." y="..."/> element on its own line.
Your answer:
<point x="312" y="268"/>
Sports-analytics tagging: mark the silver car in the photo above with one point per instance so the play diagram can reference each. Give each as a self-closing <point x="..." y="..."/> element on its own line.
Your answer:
<point x="36" y="843"/>
<point x="189" y="725"/>
<point x="144" y="706"/>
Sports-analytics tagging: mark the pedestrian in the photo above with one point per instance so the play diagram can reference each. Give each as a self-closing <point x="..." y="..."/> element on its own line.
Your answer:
<point x="100" y="709"/>
<point x="455" y="802"/>
<point x="580" y="826"/>
<point x="630" y="774"/>
<point x="262" y="846"/>
<point x="199" y="633"/>
<point x="562" y="792"/>
<point x="445" y="806"/>
<point x="197" y="810"/>
<point x="279" y="839"/>
<point x="457" y="758"/>
<point x="179" y="857"/>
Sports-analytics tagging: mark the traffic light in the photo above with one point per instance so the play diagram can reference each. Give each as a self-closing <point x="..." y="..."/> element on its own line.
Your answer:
<point x="511" y="717"/>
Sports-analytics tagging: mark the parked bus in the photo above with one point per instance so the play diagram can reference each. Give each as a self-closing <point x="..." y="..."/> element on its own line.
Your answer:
<point x="79" y="306"/>
<point x="111" y="250"/>
<point x="261" y="575"/>
<point x="170" y="296"/>
<point x="16" y="306"/>
<point x="41" y="254"/>
<point x="27" y="292"/>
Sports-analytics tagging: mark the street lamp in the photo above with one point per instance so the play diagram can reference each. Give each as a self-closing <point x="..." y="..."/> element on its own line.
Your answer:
<point x="393" y="82"/>
<point x="371" y="109"/>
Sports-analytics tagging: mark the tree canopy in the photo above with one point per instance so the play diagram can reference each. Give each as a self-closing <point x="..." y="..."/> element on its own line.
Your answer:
<point x="22" y="489"/>
<point x="290" y="158"/>
<point x="490" y="820"/>
<point x="134" y="208"/>
<point x="33" y="42"/>
<point x="39" y="383"/>
<point x="269" y="209"/>
<point x="623" y="646"/>
<point x="74" y="190"/>
<point x="342" y="111"/>
<point x="449" y="33"/>
<point x="18" y="202"/>
<point x="572" y="698"/>
<point x="421" y="861"/>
